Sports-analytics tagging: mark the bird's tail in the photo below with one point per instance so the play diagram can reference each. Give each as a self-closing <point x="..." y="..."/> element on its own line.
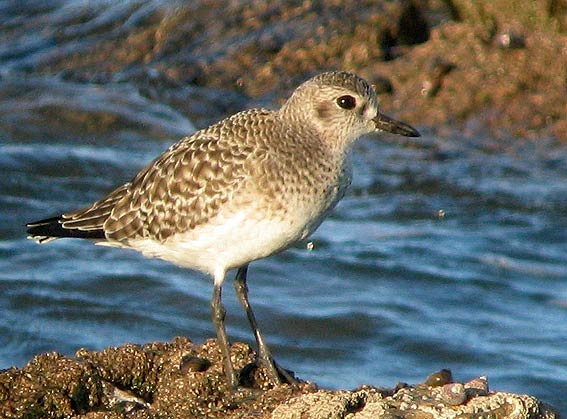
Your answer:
<point x="44" y="231"/>
<point x="85" y="223"/>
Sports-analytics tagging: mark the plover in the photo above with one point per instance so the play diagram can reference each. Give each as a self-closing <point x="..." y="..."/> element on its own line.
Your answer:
<point x="242" y="189"/>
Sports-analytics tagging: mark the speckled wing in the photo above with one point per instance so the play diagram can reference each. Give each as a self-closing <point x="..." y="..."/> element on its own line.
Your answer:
<point x="92" y="218"/>
<point x="182" y="189"/>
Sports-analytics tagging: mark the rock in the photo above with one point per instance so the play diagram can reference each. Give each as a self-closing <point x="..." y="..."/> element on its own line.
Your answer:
<point x="477" y="386"/>
<point x="181" y="379"/>
<point x="486" y="63"/>
<point x="439" y="378"/>
<point x="49" y="386"/>
<point x="504" y="70"/>
<point x="409" y="402"/>
<point x="453" y="394"/>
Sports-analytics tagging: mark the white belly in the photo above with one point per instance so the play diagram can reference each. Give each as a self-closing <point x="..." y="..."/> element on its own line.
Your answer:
<point x="228" y="242"/>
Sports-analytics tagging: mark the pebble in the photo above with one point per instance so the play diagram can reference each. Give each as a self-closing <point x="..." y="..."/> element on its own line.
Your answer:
<point x="453" y="394"/>
<point x="191" y="363"/>
<point x="478" y="385"/>
<point x="439" y="378"/>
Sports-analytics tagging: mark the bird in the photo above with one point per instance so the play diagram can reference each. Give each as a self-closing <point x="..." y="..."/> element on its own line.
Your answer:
<point x="242" y="189"/>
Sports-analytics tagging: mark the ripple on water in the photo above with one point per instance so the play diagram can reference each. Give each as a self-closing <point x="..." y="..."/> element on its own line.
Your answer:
<point x="428" y="263"/>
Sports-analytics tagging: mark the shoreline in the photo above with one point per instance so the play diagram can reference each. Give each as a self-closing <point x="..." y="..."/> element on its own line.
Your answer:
<point x="180" y="379"/>
<point x="483" y="67"/>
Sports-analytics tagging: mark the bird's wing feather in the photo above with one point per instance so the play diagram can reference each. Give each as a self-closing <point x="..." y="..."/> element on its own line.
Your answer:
<point x="94" y="216"/>
<point x="182" y="189"/>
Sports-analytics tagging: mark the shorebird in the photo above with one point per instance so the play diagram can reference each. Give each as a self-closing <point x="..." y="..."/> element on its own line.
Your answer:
<point x="242" y="189"/>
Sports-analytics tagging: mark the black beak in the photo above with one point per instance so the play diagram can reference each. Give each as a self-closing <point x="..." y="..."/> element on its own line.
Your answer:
<point x="385" y="123"/>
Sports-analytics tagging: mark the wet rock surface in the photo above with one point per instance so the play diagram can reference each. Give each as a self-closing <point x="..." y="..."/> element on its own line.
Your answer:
<point x="485" y="65"/>
<point x="181" y="379"/>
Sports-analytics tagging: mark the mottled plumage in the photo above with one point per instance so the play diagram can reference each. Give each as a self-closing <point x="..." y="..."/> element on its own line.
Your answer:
<point x="242" y="189"/>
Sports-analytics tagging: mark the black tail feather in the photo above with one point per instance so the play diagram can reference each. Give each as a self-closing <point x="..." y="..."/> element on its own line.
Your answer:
<point x="52" y="228"/>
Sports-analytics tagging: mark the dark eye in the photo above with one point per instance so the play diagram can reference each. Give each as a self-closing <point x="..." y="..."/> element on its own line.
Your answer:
<point x="346" y="102"/>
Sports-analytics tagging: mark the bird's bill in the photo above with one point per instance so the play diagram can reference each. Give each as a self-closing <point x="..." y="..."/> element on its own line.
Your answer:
<point x="385" y="123"/>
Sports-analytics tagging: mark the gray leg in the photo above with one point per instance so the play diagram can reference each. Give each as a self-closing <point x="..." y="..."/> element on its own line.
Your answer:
<point x="264" y="354"/>
<point x="218" y="314"/>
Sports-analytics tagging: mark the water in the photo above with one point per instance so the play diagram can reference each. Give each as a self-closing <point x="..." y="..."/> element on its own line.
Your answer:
<point x="447" y="253"/>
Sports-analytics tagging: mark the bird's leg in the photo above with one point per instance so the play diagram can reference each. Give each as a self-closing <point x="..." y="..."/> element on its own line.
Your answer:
<point x="264" y="354"/>
<point x="218" y="314"/>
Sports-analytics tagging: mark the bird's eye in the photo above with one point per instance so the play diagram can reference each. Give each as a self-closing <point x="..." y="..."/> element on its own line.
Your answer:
<point x="346" y="102"/>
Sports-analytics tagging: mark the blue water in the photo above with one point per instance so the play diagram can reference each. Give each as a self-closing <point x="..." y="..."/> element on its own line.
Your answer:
<point x="447" y="252"/>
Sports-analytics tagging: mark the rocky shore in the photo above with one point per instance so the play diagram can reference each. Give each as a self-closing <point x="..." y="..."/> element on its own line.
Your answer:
<point x="484" y="66"/>
<point x="181" y="379"/>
